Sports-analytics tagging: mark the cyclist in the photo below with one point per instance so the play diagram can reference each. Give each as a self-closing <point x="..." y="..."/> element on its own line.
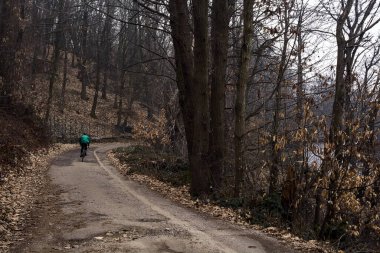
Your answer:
<point x="84" y="141"/>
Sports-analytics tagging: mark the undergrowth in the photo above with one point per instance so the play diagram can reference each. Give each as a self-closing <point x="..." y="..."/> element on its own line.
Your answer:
<point x="160" y="165"/>
<point x="169" y="168"/>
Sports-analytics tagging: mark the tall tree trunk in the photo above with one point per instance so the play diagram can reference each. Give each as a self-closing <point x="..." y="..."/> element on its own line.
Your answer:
<point x="121" y="95"/>
<point x="48" y="28"/>
<point x="370" y="126"/>
<point x="337" y="121"/>
<point x="64" y="82"/>
<point x="182" y="41"/>
<point x="1" y="15"/>
<point x="192" y="82"/>
<point x="130" y="101"/>
<point x="119" y="111"/>
<point x="97" y="83"/>
<point x="219" y="37"/>
<point x="371" y="143"/>
<point x="9" y="29"/>
<point x="102" y="57"/>
<point x="241" y="94"/>
<point x="299" y="87"/>
<point x="105" y="83"/>
<point x="57" y="48"/>
<point x="199" y="160"/>
<point x="107" y="40"/>
<point x="275" y="149"/>
<point x="300" y="98"/>
<point x="37" y="44"/>
<point x="82" y="62"/>
<point x="299" y="173"/>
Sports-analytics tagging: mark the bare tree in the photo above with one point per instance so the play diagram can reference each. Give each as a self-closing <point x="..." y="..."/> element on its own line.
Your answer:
<point x="10" y="32"/>
<point x="241" y="93"/>
<point x="219" y="47"/>
<point x="55" y="61"/>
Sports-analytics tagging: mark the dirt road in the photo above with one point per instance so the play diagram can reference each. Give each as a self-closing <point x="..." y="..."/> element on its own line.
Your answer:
<point x="89" y="207"/>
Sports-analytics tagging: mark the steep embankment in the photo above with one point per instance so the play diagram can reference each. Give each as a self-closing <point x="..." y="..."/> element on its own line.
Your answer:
<point x="20" y="134"/>
<point x="75" y="116"/>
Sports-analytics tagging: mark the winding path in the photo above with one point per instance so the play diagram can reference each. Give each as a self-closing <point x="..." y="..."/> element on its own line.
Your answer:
<point x="90" y="207"/>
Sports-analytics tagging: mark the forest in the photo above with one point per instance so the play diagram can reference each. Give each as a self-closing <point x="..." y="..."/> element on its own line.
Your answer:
<point x="273" y="103"/>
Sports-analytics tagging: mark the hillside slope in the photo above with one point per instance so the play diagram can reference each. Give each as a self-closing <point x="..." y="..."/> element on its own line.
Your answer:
<point x="20" y="134"/>
<point x="76" y="115"/>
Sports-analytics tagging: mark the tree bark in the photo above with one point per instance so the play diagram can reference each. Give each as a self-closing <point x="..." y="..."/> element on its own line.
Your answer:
<point x="182" y="41"/>
<point x="9" y="28"/>
<point x="219" y="41"/>
<point x="192" y="83"/>
<point x="199" y="160"/>
<point x="241" y="94"/>
<point x="97" y="83"/>
<point x="107" y="46"/>
<point x="275" y="149"/>
<point x="64" y="82"/>
<point x="37" y="43"/>
<point x="120" y="102"/>
<point x="105" y="82"/>
<point x="337" y="121"/>
<point x="82" y="62"/>
<point x="57" y="47"/>
<point x="299" y="172"/>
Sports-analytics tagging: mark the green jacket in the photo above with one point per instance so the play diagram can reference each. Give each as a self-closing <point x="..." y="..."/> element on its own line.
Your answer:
<point x="84" y="139"/>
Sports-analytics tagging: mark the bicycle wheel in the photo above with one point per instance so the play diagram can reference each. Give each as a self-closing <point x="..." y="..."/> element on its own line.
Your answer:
<point x="84" y="153"/>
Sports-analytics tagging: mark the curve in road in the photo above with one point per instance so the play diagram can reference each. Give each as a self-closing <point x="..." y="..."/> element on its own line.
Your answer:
<point x="90" y="207"/>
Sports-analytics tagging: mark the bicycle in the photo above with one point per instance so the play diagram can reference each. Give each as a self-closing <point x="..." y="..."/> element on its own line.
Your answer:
<point x="84" y="153"/>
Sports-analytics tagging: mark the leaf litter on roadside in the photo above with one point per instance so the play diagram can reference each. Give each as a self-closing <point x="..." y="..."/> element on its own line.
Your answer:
<point x="20" y="191"/>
